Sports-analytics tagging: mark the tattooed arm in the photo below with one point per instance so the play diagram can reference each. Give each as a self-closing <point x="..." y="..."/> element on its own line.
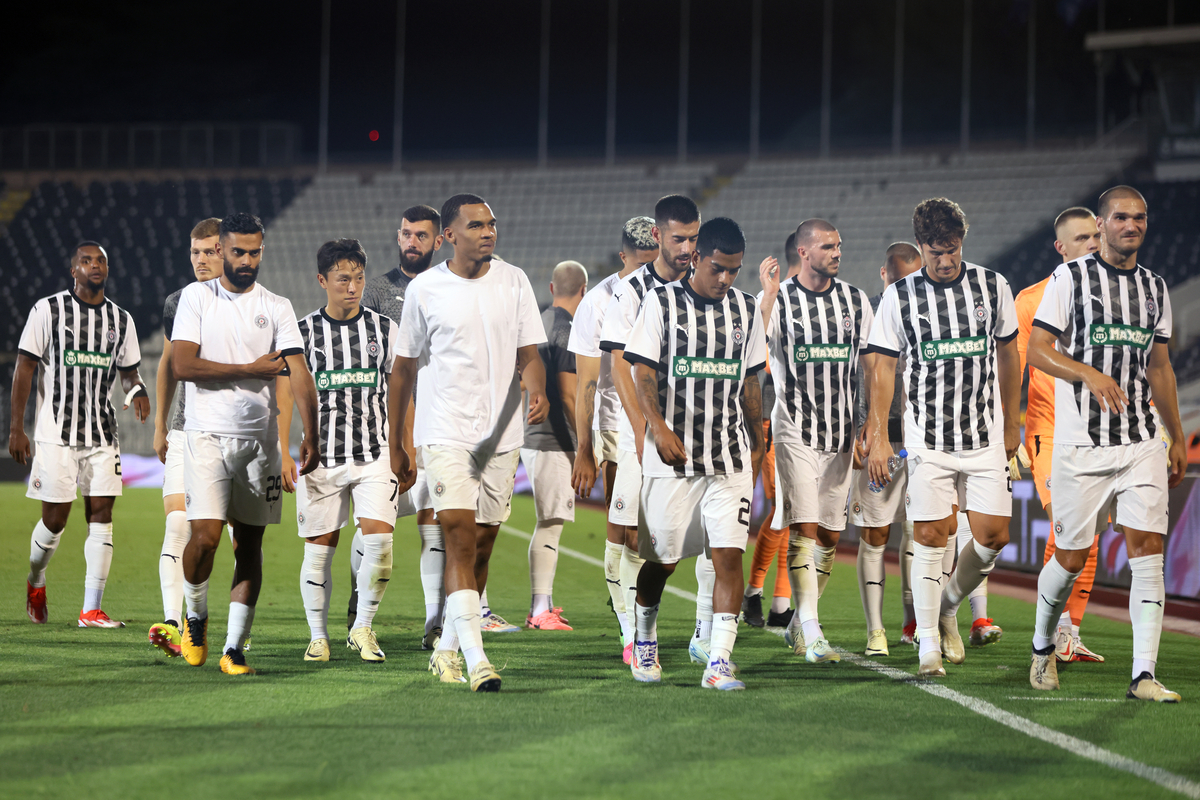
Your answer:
<point x="583" y="475"/>
<point x="670" y="449"/>
<point x="752" y="411"/>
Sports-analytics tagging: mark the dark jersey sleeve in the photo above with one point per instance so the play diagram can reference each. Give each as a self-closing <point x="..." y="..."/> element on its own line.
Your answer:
<point x="169" y="308"/>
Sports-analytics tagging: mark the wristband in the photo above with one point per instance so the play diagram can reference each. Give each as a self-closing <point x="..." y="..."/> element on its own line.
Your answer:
<point x="137" y="391"/>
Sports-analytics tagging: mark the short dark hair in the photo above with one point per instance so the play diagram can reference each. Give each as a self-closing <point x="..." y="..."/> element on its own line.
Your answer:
<point x="85" y="243"/>
<point x="805" y="230"/>
<point x="790" y="253"/>
<point x="241" y="222"/>
<point x="331" y="253"/>
<point x="939" y="221"/>
<point x="636" y="235"/>
<point x="423" y="213"/>
<point x="897" y="253"/>
<point x="1074" y="212"/>
<point x="451" y="207"/>
<point x="1117" y="193"/>
<point x="720" y="233"/>
<point x="675" y="208"/>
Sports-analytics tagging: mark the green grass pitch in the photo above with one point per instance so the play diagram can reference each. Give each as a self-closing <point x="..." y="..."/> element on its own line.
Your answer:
<point x="99" y="714"/>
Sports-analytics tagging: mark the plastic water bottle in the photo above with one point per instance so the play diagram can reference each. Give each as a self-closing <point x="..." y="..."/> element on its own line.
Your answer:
<point x="895" y="464"/>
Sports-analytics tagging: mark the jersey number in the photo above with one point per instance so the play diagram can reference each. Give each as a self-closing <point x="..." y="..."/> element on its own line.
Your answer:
<point x="274" y="488"/>
<point x="395" y="490"/>
<point x="117" y="468"/>
<point x="744" y="513"/>
<point x="1008" y="477"/>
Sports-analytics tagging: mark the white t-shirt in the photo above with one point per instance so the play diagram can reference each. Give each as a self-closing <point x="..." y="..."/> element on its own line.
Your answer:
<point x="469" y="332"/>
<point x="585" y="341"/>
<point x="235" y="329"/>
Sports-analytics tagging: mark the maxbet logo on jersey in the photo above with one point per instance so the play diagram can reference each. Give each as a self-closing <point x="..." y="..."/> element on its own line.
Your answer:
<point x="86" y="358"/>
<point x="968" y="347"/>
<point x="1119" y="335"/>
<point x="813" y="353"/>
<point x="346" y="379"/>
<point x="696" y="367"/>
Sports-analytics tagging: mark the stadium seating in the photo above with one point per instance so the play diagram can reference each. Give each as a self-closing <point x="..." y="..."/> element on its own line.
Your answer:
<point x="143" y="226"/>
<point x="1006" y="197"/>
<point x="545" y="216"/>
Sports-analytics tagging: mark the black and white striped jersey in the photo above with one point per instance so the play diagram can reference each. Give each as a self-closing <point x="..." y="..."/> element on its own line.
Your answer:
<point x="170" y="306"/>
<point x="79" y="347"/>
<point x="350" y="362"/>
<point x="815" y="339"/>
<point x="1109" y="319"/>
<point x="948" y="334"/>
<point x="702" y="351"/>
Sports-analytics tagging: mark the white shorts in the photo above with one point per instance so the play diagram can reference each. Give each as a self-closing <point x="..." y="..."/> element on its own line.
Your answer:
<point x="1089" y="481"/>
<point x="627" y="490"/>
<point x="797" y="470"/>
<point x="58" y="469"/>
<point x="457" y="481"/>
<point x="973" y="480"/>
<point x="685" y="517"/>
<point x="604" y="445"/>
<point x="875" y="510"/>
<point x="415" y="499"/>
<point x="173" y="467"/>
<point x="233" y="479"/>
<point x="323" y="496"/>
<point x="549" y="474"/>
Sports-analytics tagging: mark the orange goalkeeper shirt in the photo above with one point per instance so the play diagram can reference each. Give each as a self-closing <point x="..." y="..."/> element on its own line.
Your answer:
<point x="1039" y="408"/>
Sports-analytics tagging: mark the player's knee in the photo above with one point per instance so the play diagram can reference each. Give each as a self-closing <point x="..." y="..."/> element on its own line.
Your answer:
<point x="54" y="516"/>
<point x="1138" y="544"/>
<point x="1071" y="560"/>
<point x="876" y="537"/>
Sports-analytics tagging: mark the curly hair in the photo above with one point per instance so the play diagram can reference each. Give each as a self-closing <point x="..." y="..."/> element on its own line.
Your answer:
<point x="939" y="221"/>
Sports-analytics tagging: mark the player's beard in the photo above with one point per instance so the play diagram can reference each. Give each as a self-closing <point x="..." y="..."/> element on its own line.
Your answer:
<point x="1123" y="247"/>
<point x="418" y="266"/>
<point x="241" y="278"/>
<point x="828" y="270"/>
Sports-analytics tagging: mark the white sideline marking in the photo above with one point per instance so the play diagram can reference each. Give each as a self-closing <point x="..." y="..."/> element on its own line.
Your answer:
<point x="1081" y="748"/>
<point x="1069" y="699"/>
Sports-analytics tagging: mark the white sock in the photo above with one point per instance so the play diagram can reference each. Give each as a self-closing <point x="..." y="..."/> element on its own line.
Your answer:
<point x="948" y="562"/>
<point x="241" y="617"/>
<point x="804" y="584"/>
<point x="974" y="565"/>
<point x="1146" y="599"/>
<point x="42" y="545"/>
<point x="1054" y="588"/>
<point x="706" y="581"/>
<point x="780" y="604"/>
<point x="356" y="556"/>
<point x="196" y="595"/>
<point x="823" y="562"/>
<point x="871" y="580"/>
<point x="170" y="564"/>
<point x="631" y="565"/>
<point x="433" y="567"/>
<point x="616" y="593"/>
<point x="543" y="561"/>
<point x="484" y="607"/>
<point x="316" y="587"/>
<point x="98" y="553"/>
<point x="449" y="640"/>
<point x="724" y="634"/>
<point x="373" y="576"/>
<point x="753" y="591"/>
<point x="906" y="557"/>
<point x="979" y="594"/>
<point x="462" y="612"/>
<point x="647" y="622"/>
<point x="927" y="593"/>
<point x="1064" y="622"/>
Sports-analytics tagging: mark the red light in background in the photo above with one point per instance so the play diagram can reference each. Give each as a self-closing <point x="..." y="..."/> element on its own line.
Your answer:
<point x="373" y="136"/>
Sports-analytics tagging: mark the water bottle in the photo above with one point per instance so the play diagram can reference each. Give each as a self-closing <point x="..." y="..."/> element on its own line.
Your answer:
<point x="895" y="464"/>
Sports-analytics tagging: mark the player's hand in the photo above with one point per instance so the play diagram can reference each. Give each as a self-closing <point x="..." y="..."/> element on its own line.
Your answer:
<point x="403" y="470"/>
<point x="539" y="407"/>
<point x="670" y="449"/>
<point x="768" y="275"/>
<point x="141" y="408"/>
<point x="290" y="475"/>
<point x="268" y="367"/>
<point x="160" y="444"/>
<point x="639" y="442"/>
<point x="18" y="447"/>
<point x="308" y="456"/>
<point x="877" y="463"/>
<point x="1107" y="392"/>
<point x="583" y="474"/>
<point x="1023" y="457"/>
<point x="1177" y="459"/>
<point x="860" y="454"/>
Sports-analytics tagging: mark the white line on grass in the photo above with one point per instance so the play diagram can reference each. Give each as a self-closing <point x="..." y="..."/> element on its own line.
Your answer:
<point x="1081" y="748"/>
<point x="1069" y="699"/>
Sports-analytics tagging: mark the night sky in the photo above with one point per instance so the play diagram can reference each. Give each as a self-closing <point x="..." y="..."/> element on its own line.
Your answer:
<point x="472" y="71"/>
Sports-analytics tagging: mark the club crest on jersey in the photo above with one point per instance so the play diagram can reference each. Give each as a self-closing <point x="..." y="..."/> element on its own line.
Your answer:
<point x="570" y="502"/>
<point x="738" y="334"/>
<point x="300" y="517"/>
<point x="847" y="323"/>
<point x="907" y="499"/>
<point x="260" y="321"/>
<point x="112" y="335"/>
<point x="1058" y="529"/>
<point x="857" y="507"/>
<point x="37" y="483"/>
<point x="372" y="347"/>
<point x="619" y="504"/>
<point x="980" y="312"/>
<point x="187" y="498"/>
<point x="439" y="489"/>
<point x="1151" y="307"/>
